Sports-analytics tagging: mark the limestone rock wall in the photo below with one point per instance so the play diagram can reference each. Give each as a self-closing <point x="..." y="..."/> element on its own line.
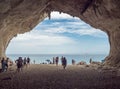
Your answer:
<point x="20" y="16"/>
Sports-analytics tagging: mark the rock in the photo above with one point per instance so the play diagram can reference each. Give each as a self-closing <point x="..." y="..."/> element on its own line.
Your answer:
<point x="82" y="63"/>
<point x="95" y="63"/>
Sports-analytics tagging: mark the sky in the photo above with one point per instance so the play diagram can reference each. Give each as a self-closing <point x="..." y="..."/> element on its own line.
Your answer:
<point x="62" y="34"/>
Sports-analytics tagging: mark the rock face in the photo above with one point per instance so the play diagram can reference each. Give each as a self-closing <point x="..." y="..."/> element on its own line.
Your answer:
<point x="20" y="16"/>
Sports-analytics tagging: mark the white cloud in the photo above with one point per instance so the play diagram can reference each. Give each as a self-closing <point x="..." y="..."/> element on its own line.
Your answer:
<point x="37" y="37"/>
<point x="56" y="30"/>
<point x="38" y="41"/>
<point x="83" y="31"/>
<point x="57" y="15"/>
<point x="88" y="31"/>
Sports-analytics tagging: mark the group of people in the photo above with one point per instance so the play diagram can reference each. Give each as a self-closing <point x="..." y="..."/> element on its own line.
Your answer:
<point x="63" y="61"/>
<point x="4" y="64"/>
<point x="20" y="62"/>
<point x="24" y="62"/>
<point x="55" y="60"/>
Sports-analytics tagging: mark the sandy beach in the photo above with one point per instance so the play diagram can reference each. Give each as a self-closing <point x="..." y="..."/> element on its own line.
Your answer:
<point x="39" y="76"/>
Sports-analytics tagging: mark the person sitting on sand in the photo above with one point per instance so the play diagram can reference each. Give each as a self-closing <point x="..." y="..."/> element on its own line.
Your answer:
<point x="64" y="62"/>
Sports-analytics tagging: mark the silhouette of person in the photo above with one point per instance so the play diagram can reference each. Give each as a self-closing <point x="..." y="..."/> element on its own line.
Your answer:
<point x="53" y="60"/>
<point x="34" y="61"/>
<point x="19" y="63"/>
<point x="90" y="60"/>
<point x="25" y="62"/>
<point x="3" y="64"/>
<point x="73" y="62"/>
<point x="64" y="62"/>
<point x="6" y="64"/>
<point x="28" y="61"/>
<point x="57" y="60"/>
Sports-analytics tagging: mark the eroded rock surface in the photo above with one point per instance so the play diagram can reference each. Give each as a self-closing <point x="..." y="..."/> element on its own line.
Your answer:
<point x="20" y="16"/>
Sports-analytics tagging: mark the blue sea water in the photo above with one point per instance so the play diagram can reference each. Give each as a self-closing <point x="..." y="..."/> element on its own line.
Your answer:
<point x="40" y="58"/>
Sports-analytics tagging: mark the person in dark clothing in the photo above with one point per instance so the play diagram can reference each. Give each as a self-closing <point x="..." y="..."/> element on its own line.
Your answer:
<point x="73" y="62"/>
<point x="19" y="63"/>
<point x="3" y="64"/>
<point x="6" y="64"/>
<point x="25" y="62"/>
<point x="57" y="60"/>
<point x="90" y="60"/>
<point x="28" y="61"/>
<point x="64" y="62"/>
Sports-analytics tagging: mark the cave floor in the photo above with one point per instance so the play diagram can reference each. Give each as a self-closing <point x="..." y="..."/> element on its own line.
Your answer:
<point x="39" y="76"/>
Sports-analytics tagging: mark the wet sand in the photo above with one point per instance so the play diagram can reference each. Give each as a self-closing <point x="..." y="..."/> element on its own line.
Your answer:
<point x="39" y="76"/>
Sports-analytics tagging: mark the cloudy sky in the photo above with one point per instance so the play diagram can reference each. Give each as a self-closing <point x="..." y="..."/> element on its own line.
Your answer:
<point x="62" y="34"/>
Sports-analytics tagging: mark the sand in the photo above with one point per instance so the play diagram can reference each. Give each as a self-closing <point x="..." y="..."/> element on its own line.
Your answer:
<point x="39" y="76"/>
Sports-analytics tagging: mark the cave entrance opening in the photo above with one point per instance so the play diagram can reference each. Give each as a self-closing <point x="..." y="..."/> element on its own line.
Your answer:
<point x="61" y="35"/>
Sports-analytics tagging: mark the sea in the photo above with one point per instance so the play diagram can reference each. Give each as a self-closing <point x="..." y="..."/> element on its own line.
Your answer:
<point x="42" y="58"/>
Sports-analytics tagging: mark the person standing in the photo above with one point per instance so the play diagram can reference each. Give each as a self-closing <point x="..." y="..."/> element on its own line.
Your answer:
<point x="34" y="61"/>
<point x="25" y="62"/>
<point x="6" y="63"/>
<point x="53" y="60"/>
<point x="73" y="62"/>
<point x="62" y="59"/>
<point x="19" y="63"/>
<point x="28" y="61"/>
<point x="90" y="61"/>
<point x="64" y="62"/>
<point x="57" y="60"/>
<point x="3" y="64"/>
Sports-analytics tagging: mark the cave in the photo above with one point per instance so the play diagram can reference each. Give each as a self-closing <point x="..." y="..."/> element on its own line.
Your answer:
<point x="20" y="16"/>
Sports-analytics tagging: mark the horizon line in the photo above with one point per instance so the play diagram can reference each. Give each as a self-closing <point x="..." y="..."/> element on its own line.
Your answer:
<point x="58" y="54"/>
